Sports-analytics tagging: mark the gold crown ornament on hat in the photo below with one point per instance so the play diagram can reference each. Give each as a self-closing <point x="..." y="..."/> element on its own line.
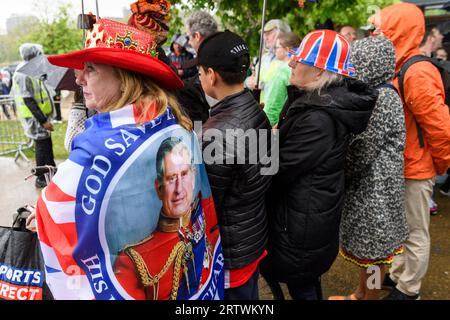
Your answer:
<point x="151" y="16"/>
<point x="130" y="46"/>
<point x="111" y="34"/>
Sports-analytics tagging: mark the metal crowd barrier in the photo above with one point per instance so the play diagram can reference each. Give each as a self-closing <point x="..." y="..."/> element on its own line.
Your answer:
<point x="12" y="137"/>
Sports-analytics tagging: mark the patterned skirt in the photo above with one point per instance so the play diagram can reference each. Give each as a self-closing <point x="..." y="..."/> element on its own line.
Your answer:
<point x="365" y="263"/>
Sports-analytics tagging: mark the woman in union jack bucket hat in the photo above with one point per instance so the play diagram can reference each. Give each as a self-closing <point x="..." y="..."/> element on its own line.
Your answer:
<point x="325" y="107"/>
<point x="325" y="50"/>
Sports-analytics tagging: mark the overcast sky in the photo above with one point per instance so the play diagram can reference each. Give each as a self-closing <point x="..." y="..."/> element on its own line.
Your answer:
<point x="107" y="8"/>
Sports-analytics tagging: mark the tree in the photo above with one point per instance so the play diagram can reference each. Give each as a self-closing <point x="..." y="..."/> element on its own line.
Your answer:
<point x="244" y="17"/>
<point x="57" y="35"/>
<point x="9" y="43"/>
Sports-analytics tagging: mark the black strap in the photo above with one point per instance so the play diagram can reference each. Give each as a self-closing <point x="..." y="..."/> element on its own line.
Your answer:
<point x="420" y="135"/>
<point x="401" y="74"/>
<point x="401" y="77"/>
<point x="19" y="216"/>
<point x="10" y="231"/>
<point x="40" y="91"/>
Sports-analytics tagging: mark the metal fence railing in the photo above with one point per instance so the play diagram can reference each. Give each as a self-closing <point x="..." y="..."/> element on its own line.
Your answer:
<point x="12" y="137"/>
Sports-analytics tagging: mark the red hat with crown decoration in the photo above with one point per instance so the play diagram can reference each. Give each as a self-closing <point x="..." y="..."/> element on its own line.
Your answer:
<point x="123" y="46"/>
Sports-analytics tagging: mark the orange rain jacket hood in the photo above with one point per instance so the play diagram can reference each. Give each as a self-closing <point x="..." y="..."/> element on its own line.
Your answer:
<point x="424" y="102"/>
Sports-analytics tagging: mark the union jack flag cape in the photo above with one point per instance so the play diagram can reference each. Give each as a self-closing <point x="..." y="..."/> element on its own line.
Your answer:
<point x="102" y="199"/>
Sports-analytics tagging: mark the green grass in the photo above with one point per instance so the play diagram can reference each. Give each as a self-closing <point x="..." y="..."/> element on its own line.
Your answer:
<point x="57" y="138"/>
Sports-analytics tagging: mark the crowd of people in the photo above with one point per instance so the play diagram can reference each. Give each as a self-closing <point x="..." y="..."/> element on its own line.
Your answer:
<point x="357" y="151"/>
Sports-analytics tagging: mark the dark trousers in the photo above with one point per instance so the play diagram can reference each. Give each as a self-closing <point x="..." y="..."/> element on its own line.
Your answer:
<point x="446" y="186"/>
<point x="5" y="111"/>
<point x="58" y="111"/>
<point x="312" y="291"/>
<point x="274" y="285"/>
<point x="248" y="291"/>
<point x="44" y="153"/>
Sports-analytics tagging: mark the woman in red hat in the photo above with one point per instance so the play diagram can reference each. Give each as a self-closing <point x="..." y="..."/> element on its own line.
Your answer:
<point x="103" y="201"/>
<point x="325" y="105"/>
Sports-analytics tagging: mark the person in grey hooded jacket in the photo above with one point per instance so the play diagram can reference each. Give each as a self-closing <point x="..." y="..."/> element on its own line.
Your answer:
<point x="373" y="225"/>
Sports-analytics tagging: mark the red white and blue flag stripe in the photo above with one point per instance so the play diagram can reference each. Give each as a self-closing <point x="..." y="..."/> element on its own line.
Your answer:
<point x="325" y="49"/>
<point x="72" y="210"/>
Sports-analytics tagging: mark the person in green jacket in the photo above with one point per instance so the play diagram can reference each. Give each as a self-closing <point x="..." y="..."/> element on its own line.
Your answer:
<point x="276" y="88"/>
<point x="272" y="29"/>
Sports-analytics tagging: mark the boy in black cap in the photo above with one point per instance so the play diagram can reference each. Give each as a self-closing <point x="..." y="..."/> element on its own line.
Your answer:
<point x="230" y="141"/>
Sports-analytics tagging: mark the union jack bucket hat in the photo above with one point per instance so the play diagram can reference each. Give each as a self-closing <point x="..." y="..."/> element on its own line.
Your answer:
<point x="325" y="49"/>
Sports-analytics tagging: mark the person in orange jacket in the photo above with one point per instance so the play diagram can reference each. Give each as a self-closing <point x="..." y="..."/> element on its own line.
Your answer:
<point x="424" y="103"/>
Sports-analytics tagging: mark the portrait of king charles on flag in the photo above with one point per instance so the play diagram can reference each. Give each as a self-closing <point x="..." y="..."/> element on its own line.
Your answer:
<point x="140" y="223"/>
<point x="174" y="261"/>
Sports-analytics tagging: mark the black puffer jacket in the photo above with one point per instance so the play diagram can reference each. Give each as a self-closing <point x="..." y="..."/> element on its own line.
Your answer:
<point x="306" y="196"/>
<point x="192" y="99"/>
<point x="238" y="189"/>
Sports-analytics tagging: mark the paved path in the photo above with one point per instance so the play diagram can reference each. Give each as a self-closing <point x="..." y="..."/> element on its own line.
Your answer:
<point x="14" y="190"/>
<point x="340" y="280"/>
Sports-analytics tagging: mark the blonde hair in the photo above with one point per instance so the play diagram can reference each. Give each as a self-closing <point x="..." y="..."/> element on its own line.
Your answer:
<point x="139" y="90"/>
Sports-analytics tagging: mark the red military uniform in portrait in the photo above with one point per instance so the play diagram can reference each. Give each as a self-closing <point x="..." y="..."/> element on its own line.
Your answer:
<point x="156" y="267"/>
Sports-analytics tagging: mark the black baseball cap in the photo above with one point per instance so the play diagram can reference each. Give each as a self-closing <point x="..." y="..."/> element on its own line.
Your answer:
<point x="221" y="51"/>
